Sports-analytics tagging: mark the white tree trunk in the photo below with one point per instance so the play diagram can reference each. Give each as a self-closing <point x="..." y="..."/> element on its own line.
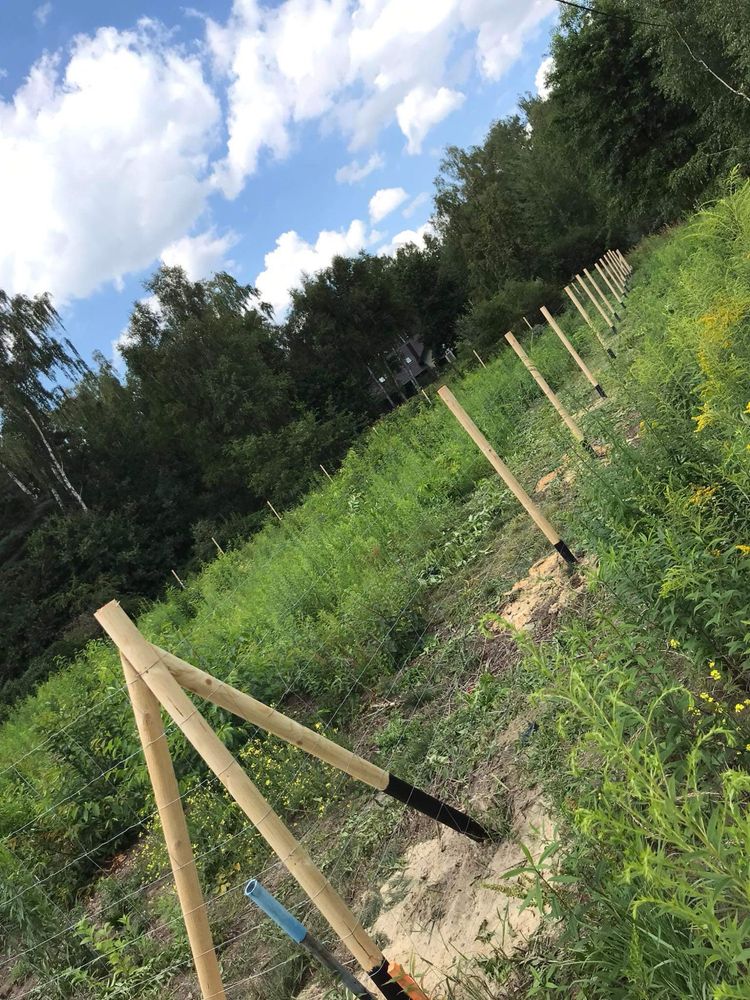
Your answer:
<point x="56" y="464"/>
<point x="22" y="486"/>
<point x="56" y="495"/>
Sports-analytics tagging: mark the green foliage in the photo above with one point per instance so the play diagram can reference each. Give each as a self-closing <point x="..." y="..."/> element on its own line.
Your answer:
<point x="645" y="699"/>
<point x="643" y="736"/>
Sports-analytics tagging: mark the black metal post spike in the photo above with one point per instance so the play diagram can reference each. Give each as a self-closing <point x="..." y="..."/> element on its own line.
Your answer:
<point x="425" y="803"/>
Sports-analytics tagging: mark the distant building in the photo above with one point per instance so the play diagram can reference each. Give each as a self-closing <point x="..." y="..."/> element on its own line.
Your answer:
<point x="405" y="369"/>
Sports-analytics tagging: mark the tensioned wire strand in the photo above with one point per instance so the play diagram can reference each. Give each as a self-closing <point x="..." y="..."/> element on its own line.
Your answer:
<point x="119" y="689"/>
<point x="169" y="728"/>
<point x="592" y="468"/>
<point x="276" y="864"/>
<point x="190" y="791"/>
<point x="210" y="777"/>
<point x="204" y="781"/>
<point x="340" y="706"/>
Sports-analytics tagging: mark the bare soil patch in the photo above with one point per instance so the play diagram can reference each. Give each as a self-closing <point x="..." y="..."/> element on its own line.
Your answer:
<point x="438" y="909"/>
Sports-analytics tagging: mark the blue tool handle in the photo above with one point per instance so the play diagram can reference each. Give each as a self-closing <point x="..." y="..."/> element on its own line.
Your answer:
<point x="273" y="909"/>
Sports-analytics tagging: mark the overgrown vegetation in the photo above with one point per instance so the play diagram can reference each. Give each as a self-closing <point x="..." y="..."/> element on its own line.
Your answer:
<point x="646" y="691"/>
<point x="365" y="611"/>
<point x="110" y="479"/>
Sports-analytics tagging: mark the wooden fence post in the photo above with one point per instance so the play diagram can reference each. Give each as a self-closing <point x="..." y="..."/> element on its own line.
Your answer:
<point x="616" y="265"/>
<point x="625" y="266"/>
<point x="606" y="279"/>
<point x="527" y="323"/>
<point x="532" y="369"/>
<point x="325" y="472"/>
<point x="177" y="578"/>
<point x="218" y="547"/>
<point x="531" y="508"/>
<point x="574" y="299"/>
<point x="595" y="303"/>
<point x="273" y="509"/>
<point x="572" y="351"/>
<point x="281" y="726"/>
<point x="615" y="276"/>
<point x="167" y="795"/>
<point x="148" y="663"/>
<point x="479" y="359"/>
<point x="610" y="308"/>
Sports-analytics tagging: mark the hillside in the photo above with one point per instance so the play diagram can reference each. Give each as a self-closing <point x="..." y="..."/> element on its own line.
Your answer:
<point x="597" y="716"/>
<point x="119" y="469"/>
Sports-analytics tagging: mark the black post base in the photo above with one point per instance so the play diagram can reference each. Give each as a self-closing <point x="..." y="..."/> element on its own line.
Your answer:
<point x="382" y="979"/>
<point x="565" y="552"/>
<point x="611" y="353"/>
<point x="425" y="803"/>
<point x="601" y="391"/>
<point x="587" y="448"/>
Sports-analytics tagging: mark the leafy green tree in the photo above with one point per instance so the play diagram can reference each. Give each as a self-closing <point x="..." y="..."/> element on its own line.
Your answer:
<point x="31" y="358"/>
<point x="638" y="141"/>
<point x="341" y="320"/>
<point x="433" y="295"/>
<point x="703" y="54"/>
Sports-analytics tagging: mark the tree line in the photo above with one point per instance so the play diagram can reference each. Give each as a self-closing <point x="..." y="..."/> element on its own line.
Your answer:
<point x="108" y="479"/>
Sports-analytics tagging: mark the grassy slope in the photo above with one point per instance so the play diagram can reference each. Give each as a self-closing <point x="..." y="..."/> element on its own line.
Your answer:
<point x="362" y="613"/>
<point x="315" y="613"/>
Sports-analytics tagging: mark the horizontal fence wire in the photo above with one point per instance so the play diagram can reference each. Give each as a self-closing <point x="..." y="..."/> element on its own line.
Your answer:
<point x="154" y="813"/>
<point x="105" y="773"/>
<point x="222" y="896"/>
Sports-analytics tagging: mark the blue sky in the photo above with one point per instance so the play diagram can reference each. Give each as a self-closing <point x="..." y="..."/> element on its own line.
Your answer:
<point x="258" y="137"/>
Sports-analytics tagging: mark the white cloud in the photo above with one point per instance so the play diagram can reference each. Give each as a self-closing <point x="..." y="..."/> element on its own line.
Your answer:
<point x="101" y="162"/>
<point x="42" y="13"/>
<point x="502" y="30"/>
<point x="421" y="199"/>
<point x="284" y="65"/>
<point x="200" y="256"/>
<point x="354" y="171"/>
<point x="385" y="201"/>
<point x="294" y="256"/>
<point x="354" y="66"/>
<point x="109" y="152"/>
<point x="406" y="236"/>
<point x="421" y="109"/>
<point x="540" y="80"/>
<point x="116" y="347"/>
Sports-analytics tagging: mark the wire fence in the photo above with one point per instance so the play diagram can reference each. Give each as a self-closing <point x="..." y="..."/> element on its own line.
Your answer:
<point x="143" y="823"/>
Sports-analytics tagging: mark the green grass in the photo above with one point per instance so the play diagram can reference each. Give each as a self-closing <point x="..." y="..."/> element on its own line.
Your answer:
<point x="363" y="613"/>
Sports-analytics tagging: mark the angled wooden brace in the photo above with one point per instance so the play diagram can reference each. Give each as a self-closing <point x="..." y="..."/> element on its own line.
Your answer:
<point x="149" y="665"/>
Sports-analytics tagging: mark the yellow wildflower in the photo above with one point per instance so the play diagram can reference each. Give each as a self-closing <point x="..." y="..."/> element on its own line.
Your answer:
<point x="744" y="549"/>
<point x="715" y="675"/>
<point x="747" y="746"/>
<point x="747" y="408"/>
<point x="739" y="707"/>
<point x="674" y="644"/>
<point x="704" y="695"/>
<point x="702" y="493"/>
<point x="703" y="419"/>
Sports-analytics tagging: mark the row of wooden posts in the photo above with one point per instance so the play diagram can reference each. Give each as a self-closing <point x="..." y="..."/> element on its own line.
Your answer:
<point x="157" y="679"/>
<point x="614" y="268"/>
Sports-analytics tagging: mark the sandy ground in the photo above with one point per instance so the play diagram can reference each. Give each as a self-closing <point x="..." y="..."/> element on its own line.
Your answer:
<point x="549" y="587"/>
<point x="439" y="908"/>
